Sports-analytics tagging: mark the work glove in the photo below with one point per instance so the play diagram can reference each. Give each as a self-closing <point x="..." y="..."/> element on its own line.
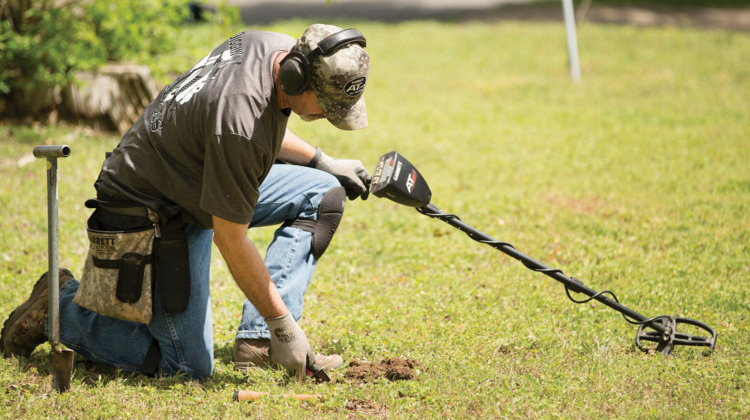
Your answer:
<point x="351" y="174"/>
<point x="289" y="346"/>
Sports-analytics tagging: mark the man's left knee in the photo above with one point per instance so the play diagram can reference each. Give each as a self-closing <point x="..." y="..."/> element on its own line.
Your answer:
<point x="330" y="212"/>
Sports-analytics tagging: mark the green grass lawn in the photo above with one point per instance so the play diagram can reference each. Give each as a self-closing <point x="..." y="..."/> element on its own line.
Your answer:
<point x="635" y="180"/>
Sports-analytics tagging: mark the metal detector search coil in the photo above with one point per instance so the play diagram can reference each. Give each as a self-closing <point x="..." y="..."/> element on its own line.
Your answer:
<point x="398" y="180"/>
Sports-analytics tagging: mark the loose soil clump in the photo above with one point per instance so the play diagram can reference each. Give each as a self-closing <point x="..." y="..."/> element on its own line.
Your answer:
<point x="395" y="369"/>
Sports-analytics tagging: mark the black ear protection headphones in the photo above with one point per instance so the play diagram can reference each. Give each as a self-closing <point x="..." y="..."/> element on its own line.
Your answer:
<point x="295" y="69"/>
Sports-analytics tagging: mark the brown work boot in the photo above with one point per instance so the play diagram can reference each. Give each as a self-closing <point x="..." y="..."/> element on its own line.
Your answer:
<point x="253" y="353"/>
<point x="23" y="331"/>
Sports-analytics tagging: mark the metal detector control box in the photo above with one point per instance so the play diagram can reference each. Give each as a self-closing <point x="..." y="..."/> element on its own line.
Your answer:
<point x="398" y="180"/>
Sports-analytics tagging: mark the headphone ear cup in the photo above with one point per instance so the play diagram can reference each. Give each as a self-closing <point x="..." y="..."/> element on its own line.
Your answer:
<point x="294" y="74"/>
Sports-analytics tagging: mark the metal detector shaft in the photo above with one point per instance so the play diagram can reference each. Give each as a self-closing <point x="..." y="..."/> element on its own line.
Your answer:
<point x="571" y="283"/>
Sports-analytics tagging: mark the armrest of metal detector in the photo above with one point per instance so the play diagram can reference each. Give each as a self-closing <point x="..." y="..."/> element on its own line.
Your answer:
<point x="667" y="341"/>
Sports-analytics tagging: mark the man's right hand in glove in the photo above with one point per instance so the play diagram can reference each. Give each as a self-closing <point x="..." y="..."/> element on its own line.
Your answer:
<point x="289" y="345"/>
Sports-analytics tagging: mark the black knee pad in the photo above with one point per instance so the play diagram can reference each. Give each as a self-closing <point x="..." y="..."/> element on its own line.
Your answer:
<point x="330" y="212"/>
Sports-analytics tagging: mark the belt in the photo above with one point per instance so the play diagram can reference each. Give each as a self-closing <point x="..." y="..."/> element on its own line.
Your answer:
<point x="127" y="211"/>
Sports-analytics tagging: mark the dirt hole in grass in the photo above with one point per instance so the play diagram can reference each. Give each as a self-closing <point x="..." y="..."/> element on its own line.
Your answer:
<point x="366" y="409"/>
<point x="395" y="369"/>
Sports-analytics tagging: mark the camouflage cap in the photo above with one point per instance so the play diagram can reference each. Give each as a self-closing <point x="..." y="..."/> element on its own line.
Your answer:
<point x="338" y="80"/>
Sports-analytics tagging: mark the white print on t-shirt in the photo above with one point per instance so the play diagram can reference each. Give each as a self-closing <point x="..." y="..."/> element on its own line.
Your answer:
<point x="182" y="91"/>
<point x="197" y="79"/>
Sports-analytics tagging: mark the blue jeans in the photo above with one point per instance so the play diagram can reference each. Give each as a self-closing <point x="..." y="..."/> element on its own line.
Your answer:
<point x="186" y="339"/>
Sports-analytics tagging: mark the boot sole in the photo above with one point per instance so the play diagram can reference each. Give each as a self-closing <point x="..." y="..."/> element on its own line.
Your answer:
<point x="10" y="325"/>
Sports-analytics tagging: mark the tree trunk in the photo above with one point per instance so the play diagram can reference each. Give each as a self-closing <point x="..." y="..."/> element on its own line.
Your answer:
<point x="112" y="98"/>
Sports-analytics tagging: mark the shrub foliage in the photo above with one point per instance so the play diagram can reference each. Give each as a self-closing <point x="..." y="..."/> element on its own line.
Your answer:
<point x="44" y="42"/>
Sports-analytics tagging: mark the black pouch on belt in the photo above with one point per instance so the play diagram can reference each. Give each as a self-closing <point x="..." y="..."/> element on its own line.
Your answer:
<point x="172" y="267"/>
<point x="130" y="277"/>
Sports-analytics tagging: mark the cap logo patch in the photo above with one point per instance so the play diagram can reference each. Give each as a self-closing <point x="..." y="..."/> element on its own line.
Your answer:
<point x="355" y="87"/>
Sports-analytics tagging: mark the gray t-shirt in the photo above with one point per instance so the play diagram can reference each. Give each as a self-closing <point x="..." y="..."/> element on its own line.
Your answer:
<point x="208" y="140"/>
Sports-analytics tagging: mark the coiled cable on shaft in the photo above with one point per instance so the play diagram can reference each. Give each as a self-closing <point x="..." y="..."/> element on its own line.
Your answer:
<point x="432" y="211"/>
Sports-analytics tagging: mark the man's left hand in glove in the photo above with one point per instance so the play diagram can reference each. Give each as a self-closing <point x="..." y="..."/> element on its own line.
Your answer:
<point x="351" y="174"/>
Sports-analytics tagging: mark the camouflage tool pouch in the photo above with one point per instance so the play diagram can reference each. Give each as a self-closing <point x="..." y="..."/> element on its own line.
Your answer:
<point x="116" y="279"/>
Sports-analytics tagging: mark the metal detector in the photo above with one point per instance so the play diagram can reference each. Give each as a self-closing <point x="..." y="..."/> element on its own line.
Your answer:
<point x="398" y="180"/>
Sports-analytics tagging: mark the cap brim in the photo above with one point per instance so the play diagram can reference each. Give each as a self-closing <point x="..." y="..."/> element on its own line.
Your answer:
<point x="346" y="115"/>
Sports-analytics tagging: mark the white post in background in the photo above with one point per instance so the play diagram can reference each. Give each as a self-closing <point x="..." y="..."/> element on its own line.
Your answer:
<point x="570" y="31"/>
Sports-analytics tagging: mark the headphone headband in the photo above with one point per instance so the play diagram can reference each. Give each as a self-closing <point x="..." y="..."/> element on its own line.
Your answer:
<point x="330" y="44"/>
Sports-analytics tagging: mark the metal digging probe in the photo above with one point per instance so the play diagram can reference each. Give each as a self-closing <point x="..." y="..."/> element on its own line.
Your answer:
<point x="398" y="180"/>
<point x="62" y="359"/>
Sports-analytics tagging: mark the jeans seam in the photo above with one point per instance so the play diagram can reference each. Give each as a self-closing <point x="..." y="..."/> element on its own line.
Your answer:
<point x="290" y="255"/>
<point x="175" y="342"/>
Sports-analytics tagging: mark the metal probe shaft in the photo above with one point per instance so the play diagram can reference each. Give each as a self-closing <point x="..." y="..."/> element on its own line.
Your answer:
<point x="62" y="360"/>
<point x="52" y="153"/>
